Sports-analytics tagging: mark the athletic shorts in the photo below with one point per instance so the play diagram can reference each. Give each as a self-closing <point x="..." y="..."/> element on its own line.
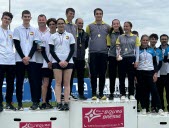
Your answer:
<point x="46" y="72"/>
<point x="57" y="66"/>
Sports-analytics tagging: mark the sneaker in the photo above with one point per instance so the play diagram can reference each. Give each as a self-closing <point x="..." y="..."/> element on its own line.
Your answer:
<point x="94" y="97"/>
<point x="43" y="106"/>
<point x="123" y="98"/>
<point x="111" y="97"/>
<point x="62" y="97"/>
<point x="9" y="106"/>
<point x="59" y="106"/>
<point x="138" y="110"/>
<point x="35" y="106"/>
<point x="144" y="111"/>
<point x="65" y="107"/>
<point x="132" y="97"/>
<point x="48" y="106"/>
<point x="73" y="96"/>
<point x="154" y="110"/>
<point x="82" y="97"/>
<point x="20" y="107"/>
<point x="1" y="107"/>
<point x="103" y="97"/>
<point x="161" y="112"/>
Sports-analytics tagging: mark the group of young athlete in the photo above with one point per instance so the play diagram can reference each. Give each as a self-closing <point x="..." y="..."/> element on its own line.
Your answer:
<point x="58" y="50"/>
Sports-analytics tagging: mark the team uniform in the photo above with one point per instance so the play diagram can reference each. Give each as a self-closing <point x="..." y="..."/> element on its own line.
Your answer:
<point x="113" y="63"/>
<point x="146" y="69"/>
<point x="7" y="66"/>
<point x="61" y="43"/>
<point x="129" y="45"/>
<point x="98" y="54"/>
<point x="24" y="39"/>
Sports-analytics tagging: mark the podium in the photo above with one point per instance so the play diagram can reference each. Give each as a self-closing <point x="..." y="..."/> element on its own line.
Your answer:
<point x="153" y="121"/>
<point x="34" y="119"/>
<point x="103" y="114"/>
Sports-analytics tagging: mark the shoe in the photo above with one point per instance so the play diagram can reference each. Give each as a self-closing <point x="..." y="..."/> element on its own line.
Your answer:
<point x="132" y="97"/>
<point x="65" y="107"/>
<point x="103" y="97"/>
<point x="1" y="107"/>
<point x="94" y="97"/>
<point x="138" y="110"/>
<point x="43" y="106"/>
<point x="154" y="110"/>
<point x="9" y="106"/>
<point x="144" y="111"/>
<point x="82" y="97"/>
<point x="73" y="96"/>
<point x="48" y="106"/>
<point x="35" y="106"/>
<point x="161" y="112"/>
<point x="20" y="107"/>
<point x="59" y="106"/>
<point x="62" y="97"/>
<point x="123" y="98"/>
<point x="111" y="97"/>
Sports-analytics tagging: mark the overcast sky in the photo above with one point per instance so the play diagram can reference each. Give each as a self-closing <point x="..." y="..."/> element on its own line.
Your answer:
<point x="147" y="16"/>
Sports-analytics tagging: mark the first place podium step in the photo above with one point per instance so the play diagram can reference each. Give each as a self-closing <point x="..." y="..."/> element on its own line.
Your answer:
<point x="103" y="114"/>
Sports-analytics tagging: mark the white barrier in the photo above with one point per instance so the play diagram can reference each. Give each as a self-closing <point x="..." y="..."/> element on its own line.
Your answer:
<point x="103" y="114"/>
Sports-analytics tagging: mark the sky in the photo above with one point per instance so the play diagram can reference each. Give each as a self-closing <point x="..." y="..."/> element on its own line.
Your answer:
<point x="147" y="16"/>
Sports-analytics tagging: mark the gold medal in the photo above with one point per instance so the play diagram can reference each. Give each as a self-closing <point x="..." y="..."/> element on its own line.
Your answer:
<point x="98" y="35"/>
<point x="126" y="49"/>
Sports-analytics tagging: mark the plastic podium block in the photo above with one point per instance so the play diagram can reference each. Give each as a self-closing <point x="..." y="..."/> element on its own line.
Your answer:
<point x="103" y="114"/>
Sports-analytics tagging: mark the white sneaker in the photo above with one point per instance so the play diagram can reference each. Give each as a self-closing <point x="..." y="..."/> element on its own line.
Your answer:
<point x="161" y="112"/>
<point x="123" y="98"/>
<point x="144" y="111"/>
<point x="132" y="97"/>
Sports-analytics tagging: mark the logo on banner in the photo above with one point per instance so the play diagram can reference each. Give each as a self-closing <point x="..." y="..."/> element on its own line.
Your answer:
<point x="35" y="125"/>
<point x="103" y="117"/>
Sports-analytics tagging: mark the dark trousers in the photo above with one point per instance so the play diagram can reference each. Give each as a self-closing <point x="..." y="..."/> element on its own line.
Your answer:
<point x="126" y="66"/>
<point x="113" y="65"/>
<point x="20" y="74"/>
<point x="163" y="82"/>
<point x="9" y="70"/>
<point x="147" y="86"/>
<point x="98" y="66"/>
<point x="79" y="68"/>
<point x="39" y="83"/>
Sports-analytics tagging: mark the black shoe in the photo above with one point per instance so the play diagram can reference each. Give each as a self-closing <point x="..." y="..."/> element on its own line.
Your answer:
<point x="111" y="97"/>
<point x="62" y="97"/>
<point x="20" y="107"/>
<point x="74" y="97"/>
<point x="82" y="97"/>
<point x="59" y="106"/>
<point x="43" y="106"/>
<point x="48" y="106"/>
<point x="9" y="106"/>
<point x="35" y="106"/>
<point x="1" y="107"/>
<point x="65" y="107"/>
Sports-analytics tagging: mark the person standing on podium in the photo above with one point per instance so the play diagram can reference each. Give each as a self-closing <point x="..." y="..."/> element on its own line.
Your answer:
<point x="98" y="52"/>
<point x="79" y="59"/>
<point x="7" y="61"/>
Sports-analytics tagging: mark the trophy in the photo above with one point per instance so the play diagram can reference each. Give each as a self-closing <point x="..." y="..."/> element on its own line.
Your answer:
<point x="119" y="58"/>
<point x="39" y="43"/>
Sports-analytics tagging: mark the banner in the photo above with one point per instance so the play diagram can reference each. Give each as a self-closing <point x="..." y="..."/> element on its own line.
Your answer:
<point x="103" y="117"/>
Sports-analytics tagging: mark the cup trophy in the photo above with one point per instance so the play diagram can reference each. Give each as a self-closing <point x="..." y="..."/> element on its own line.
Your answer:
<point x="119" y="58"/>
<point x="39" y="43"/>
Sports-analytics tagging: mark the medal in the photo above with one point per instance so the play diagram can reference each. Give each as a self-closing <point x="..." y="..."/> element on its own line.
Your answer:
<point x="98" y="35"/>
<point x="126" y="49"/>
<point x="80" y="45"/>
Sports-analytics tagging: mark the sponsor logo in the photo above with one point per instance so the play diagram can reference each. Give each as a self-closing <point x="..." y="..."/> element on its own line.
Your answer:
<point x="67" y="37"/>
<point x="31" y="33"/>
<point x="103" y="117"/>
<point x="35" y="125"/>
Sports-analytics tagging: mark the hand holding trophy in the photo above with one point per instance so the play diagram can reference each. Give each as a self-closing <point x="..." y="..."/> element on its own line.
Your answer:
<point x="118" y="57"/>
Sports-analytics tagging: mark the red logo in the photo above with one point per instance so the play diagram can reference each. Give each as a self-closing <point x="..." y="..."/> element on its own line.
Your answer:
<point x="103" y="117"/>
<point x="35" y="125"/>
